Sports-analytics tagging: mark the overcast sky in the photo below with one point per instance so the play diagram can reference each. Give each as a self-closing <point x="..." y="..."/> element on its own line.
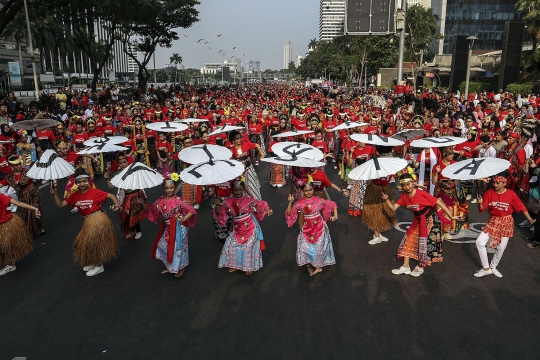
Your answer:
<point x="257" y="28"/>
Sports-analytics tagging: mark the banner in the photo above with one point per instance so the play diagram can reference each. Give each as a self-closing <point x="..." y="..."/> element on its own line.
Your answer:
<point x="14" y="72"/>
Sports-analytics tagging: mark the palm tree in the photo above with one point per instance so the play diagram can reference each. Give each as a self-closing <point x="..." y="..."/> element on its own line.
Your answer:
<point x="16" y="31"/>
<point x="312" y="44"/>
<point x="177" y="60"/>
<point x="531" y="17"/>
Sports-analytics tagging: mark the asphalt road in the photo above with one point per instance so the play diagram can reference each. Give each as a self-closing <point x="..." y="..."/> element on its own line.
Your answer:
<point x="357" y="308"/>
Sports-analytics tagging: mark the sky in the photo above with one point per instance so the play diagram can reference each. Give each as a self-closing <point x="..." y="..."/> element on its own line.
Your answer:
<point x="259" y="29"/>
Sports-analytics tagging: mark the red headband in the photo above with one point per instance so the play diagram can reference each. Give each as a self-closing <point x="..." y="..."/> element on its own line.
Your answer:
<point x="499" y="178"/>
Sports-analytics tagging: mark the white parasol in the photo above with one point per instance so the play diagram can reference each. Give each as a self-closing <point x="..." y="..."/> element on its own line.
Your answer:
<point x="224" y="129"/>
<point x="475" y="168"/>
<point x="349" y="125"/>
<point x="137" y="176"/>
<point x="376" y="140"/>
<point x="200" y="153"/>
<point x="191" y="120"/>
<point x="50" y="166"/>
<point x="293" y="133"/>
<point x="212" y="172"/>
<point x="293" y="160"/>
<point x="442" y="141"/>
<point x="34" y="124"/>
<point x="288" y="148"/>
<point x="377" y="167"/>
<point x="408" y="134"/>
<point x="107" y="139"/>
<point x="167" y="126"/>
<point x="102" y="148"/>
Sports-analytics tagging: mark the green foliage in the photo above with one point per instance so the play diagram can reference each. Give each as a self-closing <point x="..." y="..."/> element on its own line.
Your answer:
<point x="421" y="24"/>
<point x="475" y="87"/>
<point x="344" y="57"/>
<point x="523" y="89"/>
<point x="530" y="10"/>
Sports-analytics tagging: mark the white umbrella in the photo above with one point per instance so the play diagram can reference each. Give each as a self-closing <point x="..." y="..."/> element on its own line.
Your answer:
<point x="137" y="176"/>
<point x="288" y="148"/>
<point x="376" y="140"/>
<point x="442" y="141"/>
<point x="103" y="148"/>
<point x="476" y="168"/>
<point x="191" y="120"/>
<point x="293" y="133"/>
<point x="377" y="167"/>
<point x="294" y="161"/>
<point x="212" y="172"/>
<point x="200" y="153"/>
<point x="107" y="139"/>
<point x="34" y="124"/>
<point x="349" y="125"/>
<point x="166" y="126"/>
<point x="408" y="134"/>
<point x="50" y="166"/>
<point x="225" y="128"/>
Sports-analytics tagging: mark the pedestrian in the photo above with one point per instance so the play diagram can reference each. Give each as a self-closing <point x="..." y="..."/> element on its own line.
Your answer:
<point x="242" y="249"/>
<point x="422" y="241"/>
<point x="501" y="203"/>
<point x="96" y="243"/>
<point x="15" y="238"/>
<point x="314" y="244"/>
<point x="171" y="244"/>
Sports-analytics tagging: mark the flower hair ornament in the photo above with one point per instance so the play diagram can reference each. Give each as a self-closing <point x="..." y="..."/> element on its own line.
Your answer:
<point x="174" y="176"/>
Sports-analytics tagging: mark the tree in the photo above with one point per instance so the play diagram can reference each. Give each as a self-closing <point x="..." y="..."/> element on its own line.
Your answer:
<point x="291" y="67"/>
<point x="421" y="25"/>
<point x="177" y="60"/>
<point x="530" y="9"/>
<point x="16" y="31"/>
<point x="312" y="44"/>
<point x="154" y="25"/>
<point x="8" y="10"/>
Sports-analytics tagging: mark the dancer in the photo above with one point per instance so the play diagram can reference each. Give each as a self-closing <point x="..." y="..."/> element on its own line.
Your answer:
<point x="220" y="192"/>
<point x="422" y="241"/>
<point x="376" y="214"/>
<point x="241" y="152"/>
<point x="171" y="244"/>
<point x="96" y="243"/>
<point x="15" y="238"/>
<point x="501" y="203"/>
<point x="26" y="193"/>
<point x="314" y="248"/>
<point x="242" y="249"/>
<point x="131" y="210"/>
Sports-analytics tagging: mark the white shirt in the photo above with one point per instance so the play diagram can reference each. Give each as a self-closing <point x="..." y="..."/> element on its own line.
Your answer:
<point x="489" y="152"/>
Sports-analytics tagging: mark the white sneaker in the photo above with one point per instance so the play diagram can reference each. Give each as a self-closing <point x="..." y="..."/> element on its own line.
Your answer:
<point x="525" y="224"/>
<point x="349" y="187"/>
<point x="7" y="269"/>
<point x="473" y="201"/>
<point x="95" y="271"/>
<point x="138" y="235"/>
<point x="196" y="206"/>
<point x="482" y="272"/>
<point x="89" y="268"/>
<point x="496" y="272"/>
<point x="274" y="185"/>
<point x="402" y="270"/>
<point x="468" y="197"/>
<point x="376" y="240"/>
<point x="447" y="236"/>
<point x="417" y="271"/>
<point x="383" y="238"/>
<point x="74" y="210"/>
<point x="531" y="229"/>
<point x="339" y="173"/>
<point x="335" y="167"/>
<point x="279" y="185"/>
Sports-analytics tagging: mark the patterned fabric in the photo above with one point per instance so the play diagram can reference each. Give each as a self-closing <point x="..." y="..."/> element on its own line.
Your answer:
<point x="220" y="232"/>
<point x="181" y="255"/>
<point x="277" y="174"/>
<point x="356" y="197"/>
<point x="447" y="191"/>
<point x="314" y="244"/>
<point x="499" y="227"/>
<point x="192" y="194"/>
<point x="252" y="182"/>
<point x="242" y="249"/>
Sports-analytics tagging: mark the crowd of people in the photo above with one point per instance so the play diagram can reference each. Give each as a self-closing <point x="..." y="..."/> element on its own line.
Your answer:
<point x="495" y="124"/>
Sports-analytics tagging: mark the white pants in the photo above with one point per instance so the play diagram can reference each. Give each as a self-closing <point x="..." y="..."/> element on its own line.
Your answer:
<point x="481" y="243"/>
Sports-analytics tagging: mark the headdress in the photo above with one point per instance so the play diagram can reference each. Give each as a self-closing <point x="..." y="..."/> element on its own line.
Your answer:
<point x="61" y="145"/>
<point x="22" y="132"/>
<point x="14" y="159"/>
<point x="174" y="177"/>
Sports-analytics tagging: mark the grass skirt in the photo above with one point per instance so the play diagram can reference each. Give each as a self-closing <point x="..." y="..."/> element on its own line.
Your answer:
<point x="376" y="215"/>
<point x="96" y="242"/>
<point x="15" y="240"/>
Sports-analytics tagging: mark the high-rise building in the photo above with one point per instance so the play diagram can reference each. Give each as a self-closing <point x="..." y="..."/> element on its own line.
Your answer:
<point x="298" y="60"/>
<point x="424" y="3"/>
<point x="287" y="54"/>
<point x="254" y="65"/>
<point x="331" y="18"/>
<point x="483" y="19"/>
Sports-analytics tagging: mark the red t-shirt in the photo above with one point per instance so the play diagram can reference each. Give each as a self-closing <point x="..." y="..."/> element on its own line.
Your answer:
<point x="503" y="204"/>
<point x="46" y="135"/>
<point x="320" y="180"/>
<point x="363" y="154"/>
<point x="164" y="146"/>
<point x="321" y="145"/>
<point x="255" y="128"/>
<point x="88" y="202"/>
<point x="72" y="158"/>
<point x="442" y="166"/>
<point x="109" y="130"/>
<point x="5" y="214"/>
<point x="244" y="149"/>
<point x="4" y="165"/>
<point x="79" y="139"/>
<point x="418" y="202"/>
<point x="223" y="189"/>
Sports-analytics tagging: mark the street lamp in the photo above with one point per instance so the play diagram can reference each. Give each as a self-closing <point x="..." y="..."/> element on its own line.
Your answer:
<point x="468" y="75"/>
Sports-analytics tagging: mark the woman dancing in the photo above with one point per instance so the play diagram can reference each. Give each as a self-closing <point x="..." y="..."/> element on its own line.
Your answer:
<point x="15" y="238"/>
<point x="422" y="241"/>
<point x="171" y="244"/>
<point x="242" y="249"/>
<point x="314" y="248"/>
<point x="241" y="152"/>
<point x="96" y="243"/>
